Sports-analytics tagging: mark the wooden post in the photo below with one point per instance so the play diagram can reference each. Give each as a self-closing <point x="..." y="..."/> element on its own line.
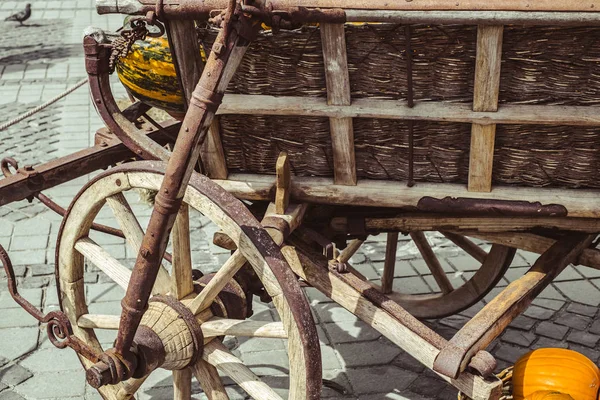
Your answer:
<point x="338" y="93"/>
<point x="485" y="98"/>
<point x="283" y="183"/>
<point x="188" y="62"/>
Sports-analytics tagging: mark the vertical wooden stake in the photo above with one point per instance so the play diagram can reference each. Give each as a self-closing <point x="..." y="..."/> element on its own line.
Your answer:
<point x="338" y="93"/>
<point x="485" y="98"/>
<point x="389" y="266"/>
<point x="188" y="61"/>
<point x="283" y="183"/>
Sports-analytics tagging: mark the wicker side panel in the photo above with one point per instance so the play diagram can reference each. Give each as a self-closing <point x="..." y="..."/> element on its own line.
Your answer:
<point x="443" y="61"/>
<point x="252" y="144"/>
<point x="441" y="150"/>
<point x="558" y="156"/>
<point x="551" y="65"/>
<point x="289" y="63"/>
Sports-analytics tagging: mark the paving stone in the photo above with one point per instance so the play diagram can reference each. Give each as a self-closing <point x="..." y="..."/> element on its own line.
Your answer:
<point x="340" y="380"/>
<point x="34" y="296"/>
<point x="10" y="395"/>
<point x="551" y="293"/>
<point x="454" y="321"/>
<point x="552" y="330"/>
<point x="421" y="267"/>
<point x="523" y="322"/>
<point x="538" y="313"/>
<point x="582" y="309"/>
<point x="581" y="292"/>
<point x="384" y="379"/>
<point x="16" y="317"/>
<point x="267" y="363"/>
<point x="549" y="303"/>
<point x="427" y="386"/>
<point x="42" y="270"/>
<point x="575" y="321"/>
<point x="28" y="257"/>
<point x="331" y="312"/>
<point x="583" y="338"/>
<point x="32" y="227"/>
<point x="408" y="362"/>
<point x="17" y="341"/>
<point x="522" y="338"/>
<point x="509" y="353"/>
<point x="105" y="292"/>
<point x="14" y="374"/>
<point x="595" y="327"/>
<point x="48" y="385"/>
<point x="345" y="332"/>
<point x="591" y="353"/>
<point x="568" y="274"/>
<point x="53" y="359"/>
<point x="376" y="352"/>
<point x="464" y="263"/>
<point x="544" y="342"/>
<point x="29" y="243"/>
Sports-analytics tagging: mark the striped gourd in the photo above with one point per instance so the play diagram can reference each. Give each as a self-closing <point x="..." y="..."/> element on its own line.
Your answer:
<point x="148" y="74"/>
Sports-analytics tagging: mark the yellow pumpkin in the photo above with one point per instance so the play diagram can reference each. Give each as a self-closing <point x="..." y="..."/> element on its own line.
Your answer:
<point x="548" y="395"/>
<point x="557" y="370"/>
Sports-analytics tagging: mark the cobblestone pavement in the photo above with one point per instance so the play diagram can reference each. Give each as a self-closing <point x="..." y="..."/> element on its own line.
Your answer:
<point x="41" y="60"/>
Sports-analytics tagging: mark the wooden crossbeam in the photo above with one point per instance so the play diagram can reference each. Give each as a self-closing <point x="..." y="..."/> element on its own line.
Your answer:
<point x="338" y="93"/>
<point x="485" y="98"/>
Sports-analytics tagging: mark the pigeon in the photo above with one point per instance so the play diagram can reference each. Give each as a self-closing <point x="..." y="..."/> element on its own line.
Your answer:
<point x="21" y="15"/>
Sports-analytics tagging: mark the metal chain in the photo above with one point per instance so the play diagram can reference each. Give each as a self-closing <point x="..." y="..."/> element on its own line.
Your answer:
<point x="121" y="46"/>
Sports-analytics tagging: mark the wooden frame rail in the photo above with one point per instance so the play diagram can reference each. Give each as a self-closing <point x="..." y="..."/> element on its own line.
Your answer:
<point x="393" y="194"/>
<point x="397" y="109"/>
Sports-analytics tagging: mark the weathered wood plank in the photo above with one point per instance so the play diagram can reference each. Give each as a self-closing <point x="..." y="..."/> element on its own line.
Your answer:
<point x="422" y="111"/>
<point x="333" y="38"/>
<point x="578" y="202"/>
<point x="485" y="98"/>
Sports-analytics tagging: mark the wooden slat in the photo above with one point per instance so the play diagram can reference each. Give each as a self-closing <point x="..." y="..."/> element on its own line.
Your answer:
<point x="182" y="384"/>
<point x="183" y="284"/>
<point x="99" y="321"/>
<point x="218" y="282"/>
<point x="233" y="327"/>
<point x="188" y="61"/>
<point x="212" y="153"/>
<point x="432" y="262"/>
<point x="220" y="357"/>
<point x="370" y="193"/>
<point x="284" y="182"/>
<point x="389" y="266"/>
<point x="423" y="111"/>
<point x="485" y="98"/>
<point x="333" y="38"/>
<point x="210" y="381"/>
<point x="135" y="235"/>
<point x="103" y="260"/>
<point x="424" y="347"/>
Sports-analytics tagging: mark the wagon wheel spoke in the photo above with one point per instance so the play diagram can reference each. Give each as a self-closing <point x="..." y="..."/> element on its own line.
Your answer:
<point x="218" y="282"/>
<point x="182" y="384"/>
<point x="104" y="261"/>
<point x="234" y="327"/>
<point x="214" y="327"/>
<point x="467" y="245"/>
<point x="134" y="234"/>
<point x="210" y="381"/>
<point x="432" y="262"/>
<point x="99" y="321"/>
<point x="216" y="354"/>
<point x="183" y="283"/>
<point x="130" y="387"/>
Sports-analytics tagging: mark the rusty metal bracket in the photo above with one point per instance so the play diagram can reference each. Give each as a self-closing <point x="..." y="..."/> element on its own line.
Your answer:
<point x="58" y="326"/>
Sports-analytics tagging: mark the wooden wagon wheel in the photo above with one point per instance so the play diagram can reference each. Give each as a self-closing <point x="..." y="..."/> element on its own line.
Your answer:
<point x="163" y="318"/>
<point x="449" y="299"/>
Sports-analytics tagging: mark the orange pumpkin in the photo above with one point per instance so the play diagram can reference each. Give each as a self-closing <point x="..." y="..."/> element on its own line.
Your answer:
<point x="558" y="370"/>
<point x="548" y="395"/>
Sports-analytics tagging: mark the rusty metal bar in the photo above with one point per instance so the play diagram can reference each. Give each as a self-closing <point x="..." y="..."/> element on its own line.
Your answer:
<point x="26" y="183"/>
<point x="507" y="9"/>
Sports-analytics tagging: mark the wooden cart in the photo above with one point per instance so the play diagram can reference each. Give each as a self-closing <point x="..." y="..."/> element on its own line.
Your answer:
<point x="388" y="117"/>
